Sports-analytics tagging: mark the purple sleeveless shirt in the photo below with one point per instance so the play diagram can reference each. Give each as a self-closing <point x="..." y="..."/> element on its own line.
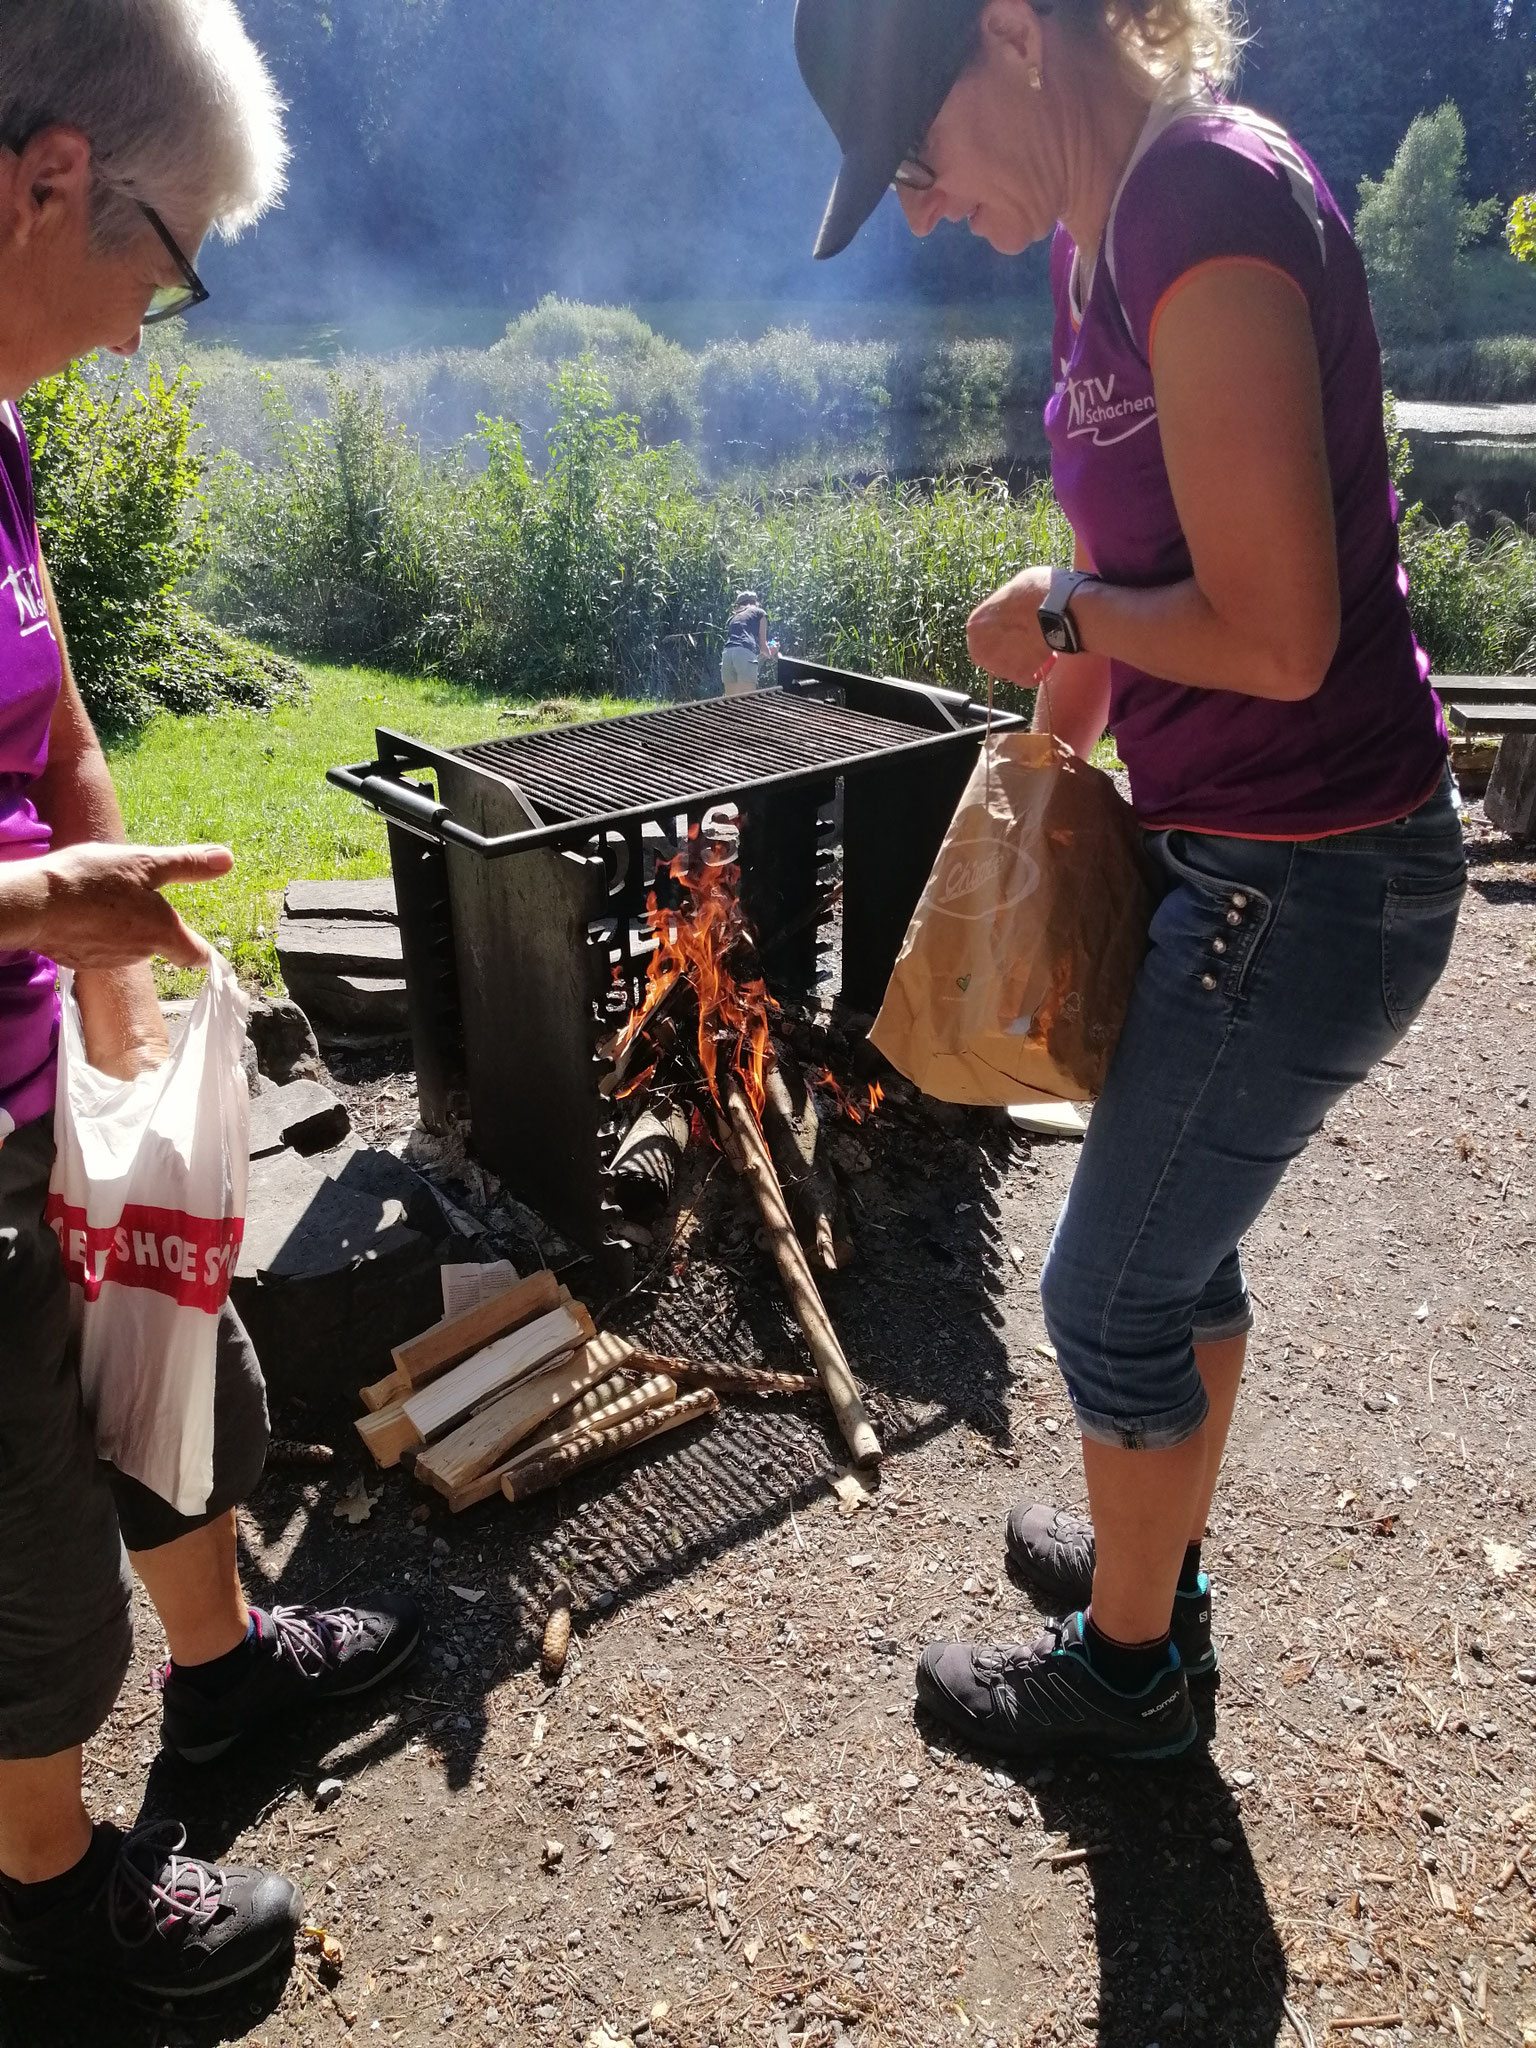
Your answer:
<point x="1213" y="183"/>
<point x="30" y="675"/>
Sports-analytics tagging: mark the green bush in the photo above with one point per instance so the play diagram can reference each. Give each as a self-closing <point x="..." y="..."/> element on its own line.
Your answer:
<point x="611" y="570"/>
<point x="122" y="526"/>
<point x="1413" y="224"/>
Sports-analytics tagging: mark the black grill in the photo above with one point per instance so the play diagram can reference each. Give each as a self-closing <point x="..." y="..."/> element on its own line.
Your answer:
<point x="522" y="876"/>
<point x="662" y="757"/>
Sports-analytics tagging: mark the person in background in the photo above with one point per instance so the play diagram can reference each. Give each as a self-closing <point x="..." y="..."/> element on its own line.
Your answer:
<point x="127" y="129"/>
<point x="747" y="646"/>
<point x="1238" y="617"/>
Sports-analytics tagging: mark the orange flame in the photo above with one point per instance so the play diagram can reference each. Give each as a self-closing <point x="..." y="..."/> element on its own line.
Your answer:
<point x="823" y="1077"/>
<point x="694" y="943"/>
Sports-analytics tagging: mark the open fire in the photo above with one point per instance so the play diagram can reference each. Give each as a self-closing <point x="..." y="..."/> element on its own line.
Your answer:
<point x="702" y="1036"/>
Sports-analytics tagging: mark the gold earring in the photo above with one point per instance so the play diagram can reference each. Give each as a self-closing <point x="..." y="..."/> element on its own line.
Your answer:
<point x="1035" y="80"/>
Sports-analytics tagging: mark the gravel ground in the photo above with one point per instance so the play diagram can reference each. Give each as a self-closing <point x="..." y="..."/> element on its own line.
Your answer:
<point x="726" y="1823"/>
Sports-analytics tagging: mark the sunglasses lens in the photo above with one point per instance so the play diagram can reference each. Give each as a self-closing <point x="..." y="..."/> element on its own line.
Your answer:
<point x="168" y="301"/>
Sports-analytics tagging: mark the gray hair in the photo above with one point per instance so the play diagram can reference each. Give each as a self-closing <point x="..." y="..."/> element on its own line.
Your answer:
<point x="175" y="99"/>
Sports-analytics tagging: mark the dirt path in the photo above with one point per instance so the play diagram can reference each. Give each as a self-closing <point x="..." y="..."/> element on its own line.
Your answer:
<point x="726" y="1825"/>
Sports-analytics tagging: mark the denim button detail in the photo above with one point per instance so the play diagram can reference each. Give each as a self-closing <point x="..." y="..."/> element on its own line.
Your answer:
<point x="1234" y="917"/>
<point x="1207" y="981"/>
<point x="1218" y="945"/>
<point x="1239" y="901"/>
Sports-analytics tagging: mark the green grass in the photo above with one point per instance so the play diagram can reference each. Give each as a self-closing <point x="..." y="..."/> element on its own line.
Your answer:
<point x="255" y="782"/>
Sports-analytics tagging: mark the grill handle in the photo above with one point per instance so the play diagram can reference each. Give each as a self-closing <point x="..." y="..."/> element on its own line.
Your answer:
<point x="401" y="802"/>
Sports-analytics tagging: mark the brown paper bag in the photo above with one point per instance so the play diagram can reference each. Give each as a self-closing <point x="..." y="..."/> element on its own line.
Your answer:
<point x="1014" y="977"/>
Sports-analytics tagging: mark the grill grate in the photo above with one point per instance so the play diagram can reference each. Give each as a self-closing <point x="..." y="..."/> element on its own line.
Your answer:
<point x="656" y="757"/>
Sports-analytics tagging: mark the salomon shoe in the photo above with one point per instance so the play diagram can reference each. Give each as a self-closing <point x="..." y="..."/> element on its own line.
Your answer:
<point x="1052" y="1552"/>
<point x="148" y="1919"/>
<point x="1048" y="1697"/>
<point x="301" y="1657"/>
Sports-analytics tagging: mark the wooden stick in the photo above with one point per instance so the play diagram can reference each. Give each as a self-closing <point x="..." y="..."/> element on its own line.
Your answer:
<point x="726" y="1377"/>
<point x="654" y="1392"/>
<point x="751" y="1148"/>
<point x="449" y="1343"/>
<point x="541" y="1470"/>
<point x="556" y="1433"/>
<point x="793" y="1131"/>
<point x="404" y="1425"/>
<point x="488" y="1437"/>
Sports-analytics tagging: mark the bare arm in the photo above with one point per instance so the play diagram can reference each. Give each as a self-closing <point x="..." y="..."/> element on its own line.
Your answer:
<point x="1239" y="400"/>
<point x="1073" y="697"/>
<point x="93" y="903"/>
<point x="119" y="1011"/>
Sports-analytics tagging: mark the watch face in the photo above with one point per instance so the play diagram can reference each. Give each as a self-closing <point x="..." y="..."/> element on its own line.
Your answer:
<point x="1054" y="634"/>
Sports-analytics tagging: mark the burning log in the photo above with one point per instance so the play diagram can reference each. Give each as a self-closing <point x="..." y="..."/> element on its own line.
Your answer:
<point x="539" y="1471"/>
<point x="748" y="1151"/>
<point x="645" y="1167"/>
<point x="793" y="1130"/>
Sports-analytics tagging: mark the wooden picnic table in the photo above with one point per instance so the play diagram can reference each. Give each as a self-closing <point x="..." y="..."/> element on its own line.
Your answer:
<point x="1506" y="706"/>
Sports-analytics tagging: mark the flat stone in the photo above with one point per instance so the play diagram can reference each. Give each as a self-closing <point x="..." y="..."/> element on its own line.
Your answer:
<point x="338" y="946"/>
<point x="300" y="1223"/>
<point x="303" y="1114"/>
<point x="371" y="900"/>
<point x="352" y="1003"/>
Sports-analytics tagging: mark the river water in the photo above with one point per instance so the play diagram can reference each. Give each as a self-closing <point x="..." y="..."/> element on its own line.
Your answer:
<point x="1472" y="462"/>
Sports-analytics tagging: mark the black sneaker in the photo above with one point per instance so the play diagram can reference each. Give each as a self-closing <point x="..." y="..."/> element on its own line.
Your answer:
<point x="1048" y="1698"/>
<point x="302" y="1657"/>
<point x="1052" y="1552"/>
<point x="156" y="1922"/>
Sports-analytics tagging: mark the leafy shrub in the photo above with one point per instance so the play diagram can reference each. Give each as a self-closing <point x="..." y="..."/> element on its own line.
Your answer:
<point x="122" y="526"/>
<point x="333" y="547"/>
<point x="1413" y="224"/>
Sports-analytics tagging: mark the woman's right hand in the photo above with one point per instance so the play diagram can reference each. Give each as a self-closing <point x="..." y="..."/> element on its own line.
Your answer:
<point x="99" y="905"/>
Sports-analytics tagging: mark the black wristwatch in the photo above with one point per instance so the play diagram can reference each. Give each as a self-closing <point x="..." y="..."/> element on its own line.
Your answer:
<point x="1058" y="628"/>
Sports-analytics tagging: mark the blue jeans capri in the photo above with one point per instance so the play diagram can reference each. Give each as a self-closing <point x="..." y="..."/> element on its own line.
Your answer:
<point x="1278" y="973"/>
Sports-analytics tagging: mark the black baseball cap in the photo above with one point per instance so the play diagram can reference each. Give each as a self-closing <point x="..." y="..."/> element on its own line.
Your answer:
<point x="879" y="70"/>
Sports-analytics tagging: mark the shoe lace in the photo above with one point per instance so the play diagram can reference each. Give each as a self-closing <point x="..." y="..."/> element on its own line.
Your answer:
<point x="314" y="1638"/>
<point x="153" y="1890"/>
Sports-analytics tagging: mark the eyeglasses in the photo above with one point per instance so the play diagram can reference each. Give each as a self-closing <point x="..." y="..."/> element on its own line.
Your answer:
<point x="171" y="299"/>
<point x="913" y="175"/>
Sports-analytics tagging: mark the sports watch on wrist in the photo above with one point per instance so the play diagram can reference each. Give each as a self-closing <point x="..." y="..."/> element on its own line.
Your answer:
<point x="1058" y="628"/>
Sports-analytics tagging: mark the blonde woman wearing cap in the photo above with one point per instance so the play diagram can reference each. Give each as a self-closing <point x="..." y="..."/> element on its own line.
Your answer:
<point x="1237" y="614"/>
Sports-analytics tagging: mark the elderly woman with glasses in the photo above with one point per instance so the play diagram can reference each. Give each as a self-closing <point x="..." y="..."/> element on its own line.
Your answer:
<point x="1237" y="614"/>
<point x="128" y="128"/>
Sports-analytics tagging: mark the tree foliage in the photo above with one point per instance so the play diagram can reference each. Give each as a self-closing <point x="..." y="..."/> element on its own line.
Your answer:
<point x="1413" y="225"/>
<point x="122" y="526"/>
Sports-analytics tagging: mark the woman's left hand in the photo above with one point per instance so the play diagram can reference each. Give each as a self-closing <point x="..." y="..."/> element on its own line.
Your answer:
<point x="1003" y="633"/>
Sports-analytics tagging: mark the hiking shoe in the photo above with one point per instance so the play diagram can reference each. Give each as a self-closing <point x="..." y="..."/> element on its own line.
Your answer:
<point x="1048" y="1698"/>
<point x="1052" y="1552"/>
<point x="301" y="1657"/>
<point x="155" y="1921"/>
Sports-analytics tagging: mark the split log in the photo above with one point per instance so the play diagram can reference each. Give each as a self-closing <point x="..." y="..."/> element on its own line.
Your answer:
<point x="458" y="1466"/>
<point x="405" y="1425"/>
<point x="450" y="1342"/>
<point x="793" y="1129"/>
<point x="540" y="1470"/>
<point x="749" y="1153"/>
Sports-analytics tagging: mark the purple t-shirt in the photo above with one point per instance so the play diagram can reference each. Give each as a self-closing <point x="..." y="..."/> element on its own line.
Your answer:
<point x="1213" y="183"/>
<point x="30" y="674"/>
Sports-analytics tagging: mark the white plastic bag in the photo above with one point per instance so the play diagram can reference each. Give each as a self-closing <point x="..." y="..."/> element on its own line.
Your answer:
<point x="148" y="1200"/>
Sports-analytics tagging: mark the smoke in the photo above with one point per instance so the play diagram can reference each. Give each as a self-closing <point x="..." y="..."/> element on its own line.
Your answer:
<point x="485" y="152"/>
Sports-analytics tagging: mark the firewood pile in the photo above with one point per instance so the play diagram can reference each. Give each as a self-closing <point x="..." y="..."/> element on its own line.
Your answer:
<point x="521" y="1391"/>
